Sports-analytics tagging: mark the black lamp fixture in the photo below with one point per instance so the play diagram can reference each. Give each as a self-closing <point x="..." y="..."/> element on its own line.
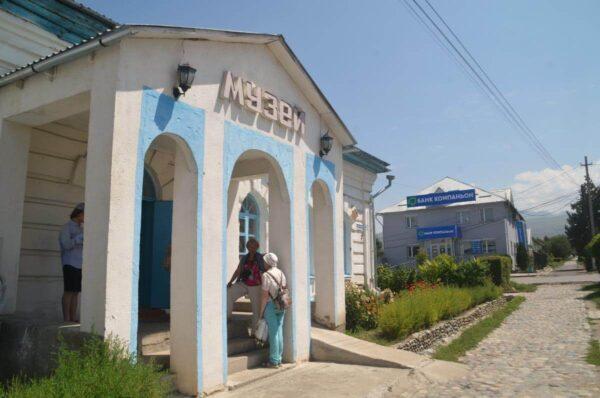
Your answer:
<point x="185" y="78"/>
<point x="326" y="144"/>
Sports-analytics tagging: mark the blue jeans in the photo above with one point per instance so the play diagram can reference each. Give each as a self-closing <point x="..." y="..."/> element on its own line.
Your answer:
<point x="274" y="320"/>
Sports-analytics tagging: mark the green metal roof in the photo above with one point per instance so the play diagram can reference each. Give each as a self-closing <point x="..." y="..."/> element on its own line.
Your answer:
<point x="365" y="160"/>
<point x="68" y="20"/>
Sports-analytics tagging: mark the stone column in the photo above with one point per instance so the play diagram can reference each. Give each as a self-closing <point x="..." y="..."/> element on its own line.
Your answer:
<point x="14" y="150"/>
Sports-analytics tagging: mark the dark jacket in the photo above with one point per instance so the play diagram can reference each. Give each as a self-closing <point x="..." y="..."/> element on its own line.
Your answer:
<point x="259" y="261"/>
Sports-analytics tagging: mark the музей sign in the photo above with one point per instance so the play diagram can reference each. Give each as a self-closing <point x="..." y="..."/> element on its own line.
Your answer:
<point x="441" y="198"/>
<point x="256" y="99"/>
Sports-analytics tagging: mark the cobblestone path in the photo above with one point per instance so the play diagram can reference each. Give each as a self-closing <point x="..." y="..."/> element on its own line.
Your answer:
<point x="539" y="351"/>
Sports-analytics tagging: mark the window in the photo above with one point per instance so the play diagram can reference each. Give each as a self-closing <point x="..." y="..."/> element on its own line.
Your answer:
<point x="412" y="251"/>
<point x="249" y="219"/>
<point x="487" y="214"/>
<point x="485" y="246"/>
<point x="347" y="248"/>
<point x="411" y="222"/>
<point x="463" y="217"/>
<point x="488" y="246"/>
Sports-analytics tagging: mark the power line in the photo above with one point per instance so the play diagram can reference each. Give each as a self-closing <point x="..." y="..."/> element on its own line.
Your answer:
<point x="493" y="92"/>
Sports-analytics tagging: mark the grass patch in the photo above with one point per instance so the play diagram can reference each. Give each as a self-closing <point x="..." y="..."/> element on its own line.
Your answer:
<point x="593" y="355"/>
<point x="594" y="294"/>
<point x="100" y="369"/>
<point x="522" y="287"/>
<point x="474" y="334"/>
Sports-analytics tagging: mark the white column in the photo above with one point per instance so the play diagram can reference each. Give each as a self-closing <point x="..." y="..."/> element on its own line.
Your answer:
<point x="110" y="242"/>
<point x="14" y="149"/>
<point x="185" y="322"/>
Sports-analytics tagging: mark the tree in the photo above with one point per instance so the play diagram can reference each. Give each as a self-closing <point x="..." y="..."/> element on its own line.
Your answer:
<point x="559" y="246"/>
<point x="578" y="223"/>
<point x="522" y="257"/>
<point x="379" y="254"/>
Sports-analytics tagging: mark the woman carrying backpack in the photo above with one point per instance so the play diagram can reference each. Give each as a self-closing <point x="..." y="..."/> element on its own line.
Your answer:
<point x="275" y="300"/>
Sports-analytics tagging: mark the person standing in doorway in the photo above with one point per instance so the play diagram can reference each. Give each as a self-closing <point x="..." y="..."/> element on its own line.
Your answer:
<point x="71" y="253"/>
<point x="272" y="282"/>
<point x="247" y="278"/>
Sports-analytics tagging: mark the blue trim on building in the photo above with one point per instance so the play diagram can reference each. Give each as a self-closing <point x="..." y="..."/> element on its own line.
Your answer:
<point x="324" y="170"/>
<point x="162" y="114"/>
<point x="236" y="141"/>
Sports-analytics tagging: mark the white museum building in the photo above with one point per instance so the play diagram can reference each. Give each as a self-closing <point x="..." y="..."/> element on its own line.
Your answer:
<point x="247" y="146"/>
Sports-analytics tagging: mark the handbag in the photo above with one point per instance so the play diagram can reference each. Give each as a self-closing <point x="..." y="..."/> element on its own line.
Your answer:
<point x="262" y="331"/>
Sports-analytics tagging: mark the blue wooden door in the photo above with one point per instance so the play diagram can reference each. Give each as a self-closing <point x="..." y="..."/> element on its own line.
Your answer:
<point x="155" y="279"/>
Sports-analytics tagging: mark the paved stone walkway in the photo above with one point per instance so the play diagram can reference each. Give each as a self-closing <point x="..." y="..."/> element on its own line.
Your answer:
<point x="538" y="351"/>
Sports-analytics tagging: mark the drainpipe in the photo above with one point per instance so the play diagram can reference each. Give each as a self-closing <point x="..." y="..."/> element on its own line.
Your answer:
<point x="389" y="178"/>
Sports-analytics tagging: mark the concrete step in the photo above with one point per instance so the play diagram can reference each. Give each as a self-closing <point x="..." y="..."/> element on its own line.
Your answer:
<point x="160" y="358"/>
<point x="241" y="345"/>
<point x="242" y="305"/>
<point x="248" y="376"/>
<point x="240" y="362"/>
<point x="240" y="325"/>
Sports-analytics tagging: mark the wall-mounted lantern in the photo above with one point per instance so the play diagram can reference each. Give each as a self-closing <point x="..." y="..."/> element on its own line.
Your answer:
<point x="326" y="144"/>
<point x="185" y="78"/>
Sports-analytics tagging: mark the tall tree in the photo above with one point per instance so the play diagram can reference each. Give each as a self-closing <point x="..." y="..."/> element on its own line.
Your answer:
<point x="578" y="223"/>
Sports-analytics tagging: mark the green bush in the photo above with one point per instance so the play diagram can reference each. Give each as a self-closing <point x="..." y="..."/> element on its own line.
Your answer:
<point x="418" y="309"/>
<point x="448" y="269"/>
<point x="540" y="259"/>
<point x="421" y="258"/>
<point x="396" y="279"/>
<point x="429" y="271"/>
<point x="100" y="369"/>
<point x="592" y="249"/>
<point x="499" y="268"/>
<point x="362" y="308"/>
<point x="472" y="273"/>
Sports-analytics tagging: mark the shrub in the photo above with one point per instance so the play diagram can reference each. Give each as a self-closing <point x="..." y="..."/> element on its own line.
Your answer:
<point x="540" y="259"/>
<point x="499" y="268"/>
<point x="362" y="308"/>
<point x="522" y="257"/>
<point x="448" y="269"/>
<point x="423" y="307"/>
<point x="421" y="258"/>
<point x="429" y="271"/>
<point x="100" y="369"/>
<point x="385" y="277"/>
<point x="472" y="273"/>
<point x="592" y="249"/>
<point x="396" y="279"/>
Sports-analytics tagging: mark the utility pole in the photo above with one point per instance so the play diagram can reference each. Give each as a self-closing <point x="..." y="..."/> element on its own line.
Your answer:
<point x="588" y="182"/>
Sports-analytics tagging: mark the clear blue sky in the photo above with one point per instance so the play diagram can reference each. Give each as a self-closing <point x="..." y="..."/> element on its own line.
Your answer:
<point x="407" y="101"/>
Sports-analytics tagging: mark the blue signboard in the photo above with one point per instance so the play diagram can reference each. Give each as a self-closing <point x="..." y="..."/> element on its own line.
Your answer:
<point x="446" y="231"/>
<point x="441" y="198"/>
<point x="521" y="233"/>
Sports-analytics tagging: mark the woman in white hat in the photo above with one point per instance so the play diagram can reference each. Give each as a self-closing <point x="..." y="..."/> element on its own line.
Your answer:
<point x="273" y="281"/>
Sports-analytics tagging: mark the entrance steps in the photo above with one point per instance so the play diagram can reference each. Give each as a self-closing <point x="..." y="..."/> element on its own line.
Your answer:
<point x="155" y="344"/>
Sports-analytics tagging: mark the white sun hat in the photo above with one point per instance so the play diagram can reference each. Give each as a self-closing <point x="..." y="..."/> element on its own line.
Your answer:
<point x="271" y="259"/>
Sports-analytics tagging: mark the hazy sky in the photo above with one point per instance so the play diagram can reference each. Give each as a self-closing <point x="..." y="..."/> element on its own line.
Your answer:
<point x="406" y="100"/>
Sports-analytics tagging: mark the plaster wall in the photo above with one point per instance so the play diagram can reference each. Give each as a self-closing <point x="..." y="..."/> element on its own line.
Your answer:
<point x="53" y="189"/>
<point x="358" y="185"/>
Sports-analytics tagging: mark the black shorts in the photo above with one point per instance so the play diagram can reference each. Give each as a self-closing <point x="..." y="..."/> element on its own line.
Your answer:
<point x="72" y="278"/>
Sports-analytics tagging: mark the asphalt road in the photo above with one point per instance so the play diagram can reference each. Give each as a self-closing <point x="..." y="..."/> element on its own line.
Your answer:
<point x="570" y="272"/>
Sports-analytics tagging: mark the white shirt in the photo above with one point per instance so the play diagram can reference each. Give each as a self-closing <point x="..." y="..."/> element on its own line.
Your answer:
<point x="268" y="281"/>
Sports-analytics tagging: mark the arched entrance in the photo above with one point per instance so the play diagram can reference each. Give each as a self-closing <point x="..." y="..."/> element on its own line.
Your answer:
<point x="265" y="217"/>
<point x="168" y="282"/>
<point x="321" y="255"/>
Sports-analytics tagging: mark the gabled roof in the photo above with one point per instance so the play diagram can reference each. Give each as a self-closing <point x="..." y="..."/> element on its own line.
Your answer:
<point x="365" y="160"/>
<point x="68" y="20"/>
<point x="276" y="43"/>
<point x="450" y="184"/>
